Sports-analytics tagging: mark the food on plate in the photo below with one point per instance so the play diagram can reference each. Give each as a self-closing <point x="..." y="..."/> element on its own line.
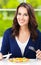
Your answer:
<point x="18" y="60"/>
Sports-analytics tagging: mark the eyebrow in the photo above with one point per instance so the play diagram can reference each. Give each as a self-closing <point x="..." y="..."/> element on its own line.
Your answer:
<point x="24" y="13"/>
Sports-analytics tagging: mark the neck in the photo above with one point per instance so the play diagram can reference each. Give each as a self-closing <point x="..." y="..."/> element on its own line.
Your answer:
<point x="24" y="34"/>
<point x="24" y="29"/>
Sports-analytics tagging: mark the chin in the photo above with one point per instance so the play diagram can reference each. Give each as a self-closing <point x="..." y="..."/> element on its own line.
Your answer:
<point x="22" y="25"/>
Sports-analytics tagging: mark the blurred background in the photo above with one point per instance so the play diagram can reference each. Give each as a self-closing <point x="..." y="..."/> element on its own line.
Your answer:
<point x="7" y="11"/>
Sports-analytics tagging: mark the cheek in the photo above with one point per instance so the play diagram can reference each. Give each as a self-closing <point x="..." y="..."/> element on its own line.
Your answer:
<point x="17" y="17"/>
<point x="27" y="19"/>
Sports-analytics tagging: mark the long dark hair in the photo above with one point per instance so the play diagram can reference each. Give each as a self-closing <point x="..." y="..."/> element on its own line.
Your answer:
<point x="32" y="25"/>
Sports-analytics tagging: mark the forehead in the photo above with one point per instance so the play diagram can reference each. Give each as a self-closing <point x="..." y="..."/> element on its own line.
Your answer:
<point x="22" y="9"/>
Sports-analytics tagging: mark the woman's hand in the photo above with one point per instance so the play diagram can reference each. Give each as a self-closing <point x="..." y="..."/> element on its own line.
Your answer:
<point x="1" y="56"/>
<point x="38" y="54"/>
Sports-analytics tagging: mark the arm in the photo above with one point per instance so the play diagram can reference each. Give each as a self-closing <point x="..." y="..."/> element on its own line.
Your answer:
<point x="38" y="52"/>
<point x="5" y="44"/>
<point x="1" y="56"/>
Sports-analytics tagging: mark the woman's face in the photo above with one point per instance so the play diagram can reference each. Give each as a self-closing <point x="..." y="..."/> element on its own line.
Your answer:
<point x="22" y="16"/>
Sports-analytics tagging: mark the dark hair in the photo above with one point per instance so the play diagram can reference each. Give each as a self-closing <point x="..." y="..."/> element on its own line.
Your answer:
<point x="32" y="25"/>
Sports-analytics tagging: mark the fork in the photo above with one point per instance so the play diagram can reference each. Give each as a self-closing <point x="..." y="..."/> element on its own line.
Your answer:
<point x="7" y="56"/>
<point x="32" y="48"/>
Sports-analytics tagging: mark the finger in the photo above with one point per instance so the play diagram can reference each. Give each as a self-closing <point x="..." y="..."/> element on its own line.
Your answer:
<point x="39" y="53"/>
<point x="38" y="57"/>
<point x="37" y="50"/>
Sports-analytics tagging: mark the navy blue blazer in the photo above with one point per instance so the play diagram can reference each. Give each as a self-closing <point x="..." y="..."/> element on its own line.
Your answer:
<point x="9" y="45"/>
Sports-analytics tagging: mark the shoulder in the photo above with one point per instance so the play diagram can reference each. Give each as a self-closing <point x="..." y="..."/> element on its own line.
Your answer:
<point x="39" y="33"/>
<point x="39" y="39"/>
<point x="39" y="36"/>
<point x="8" y="31"/>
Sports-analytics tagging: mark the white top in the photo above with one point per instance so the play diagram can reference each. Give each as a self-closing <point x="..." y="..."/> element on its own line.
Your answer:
<point x="22" y="46"/>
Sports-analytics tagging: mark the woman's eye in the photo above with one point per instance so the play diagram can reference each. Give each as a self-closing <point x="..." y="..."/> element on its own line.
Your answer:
<point x="19" y="13"/>
<point x="25" y="14"/>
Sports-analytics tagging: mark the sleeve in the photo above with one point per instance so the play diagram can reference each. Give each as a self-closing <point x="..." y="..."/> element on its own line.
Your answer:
<point x="5" y="44"/>
<point x="40" y="41"/>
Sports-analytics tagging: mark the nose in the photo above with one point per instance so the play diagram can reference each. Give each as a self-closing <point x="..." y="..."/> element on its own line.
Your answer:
<point x="22" y="16"/>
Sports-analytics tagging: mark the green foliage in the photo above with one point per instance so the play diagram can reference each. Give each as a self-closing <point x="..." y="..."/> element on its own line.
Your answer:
<point x="34" y="3"/>
<point x="12" y="4"/>
<point x="38" y="18"/>
<point x="15" y="3"/>
<point x="9" y="3"/>
<point x="4" y="24"/>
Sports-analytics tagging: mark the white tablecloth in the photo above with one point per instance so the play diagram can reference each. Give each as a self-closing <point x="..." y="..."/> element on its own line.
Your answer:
<point x="30" y="62"/>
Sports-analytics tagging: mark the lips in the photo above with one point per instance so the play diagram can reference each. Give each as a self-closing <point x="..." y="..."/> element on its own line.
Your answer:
<point x="21" y="21"/>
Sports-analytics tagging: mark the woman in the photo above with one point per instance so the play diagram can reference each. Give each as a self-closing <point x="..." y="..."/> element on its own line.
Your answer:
<point x="22" y="35"/>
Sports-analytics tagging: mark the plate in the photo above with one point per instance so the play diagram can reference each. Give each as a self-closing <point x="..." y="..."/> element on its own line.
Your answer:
<point x="18" y="60"/>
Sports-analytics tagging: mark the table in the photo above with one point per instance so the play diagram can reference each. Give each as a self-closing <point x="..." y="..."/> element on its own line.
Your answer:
<point x="30" y="62"/>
